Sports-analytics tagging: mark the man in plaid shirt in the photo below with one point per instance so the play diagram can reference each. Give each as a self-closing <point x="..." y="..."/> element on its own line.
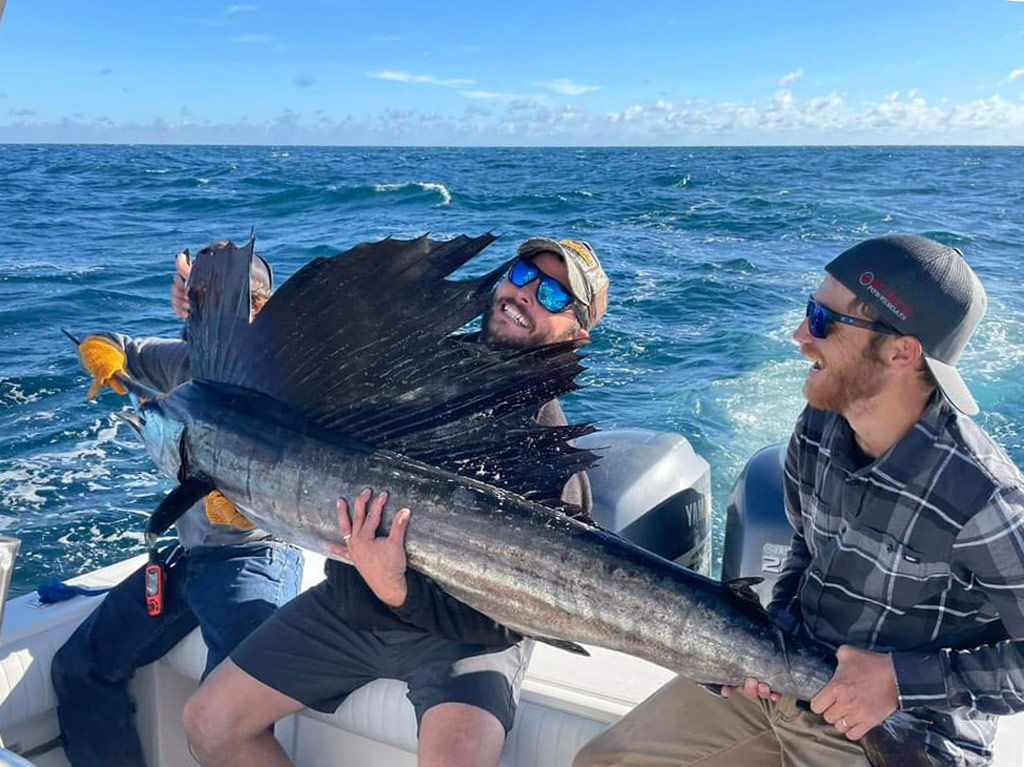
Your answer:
<point x="908" y="551"/>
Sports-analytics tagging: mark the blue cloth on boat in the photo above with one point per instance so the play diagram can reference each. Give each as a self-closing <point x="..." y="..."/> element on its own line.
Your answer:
<point x="56" y="590"/>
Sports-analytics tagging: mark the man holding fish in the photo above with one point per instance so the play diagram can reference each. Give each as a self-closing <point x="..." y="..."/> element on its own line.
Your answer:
<point x="907" y="560"/>
<point x="377" y="618"/>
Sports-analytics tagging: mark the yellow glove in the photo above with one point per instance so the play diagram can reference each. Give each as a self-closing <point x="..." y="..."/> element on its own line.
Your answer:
<point x="221" y="511"/>
<point x="102" y="359"/>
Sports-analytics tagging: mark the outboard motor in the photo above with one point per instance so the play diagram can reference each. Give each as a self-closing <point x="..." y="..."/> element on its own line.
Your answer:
<point x="757" y="532"/>
<point x="652" y="489"/>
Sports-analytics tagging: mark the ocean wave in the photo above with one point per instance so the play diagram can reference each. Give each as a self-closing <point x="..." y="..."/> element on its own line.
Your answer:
<point x="427" y="186"/>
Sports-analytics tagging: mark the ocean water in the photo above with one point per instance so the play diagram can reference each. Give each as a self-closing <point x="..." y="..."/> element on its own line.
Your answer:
<point x="711" y="252"/>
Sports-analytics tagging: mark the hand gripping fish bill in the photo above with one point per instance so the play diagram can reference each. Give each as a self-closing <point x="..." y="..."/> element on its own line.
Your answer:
<point x="351" y="377"/>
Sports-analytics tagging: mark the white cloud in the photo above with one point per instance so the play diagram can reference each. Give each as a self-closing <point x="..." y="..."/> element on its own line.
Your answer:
<point x="791" y="77"/>
<point x="566" y="87"/>
<point x="400" y="76"/>
<point x="251" y="39"/>
<point x="1016" y="74"/>
<point x="234" y="10"/>
<point x="494" y="117"/>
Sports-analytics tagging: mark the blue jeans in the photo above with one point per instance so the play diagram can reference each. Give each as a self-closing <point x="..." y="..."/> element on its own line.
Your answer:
<point x="226" y="590"/>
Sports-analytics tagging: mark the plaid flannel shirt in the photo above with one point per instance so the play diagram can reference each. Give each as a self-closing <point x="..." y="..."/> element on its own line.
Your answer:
<point x="919" y="554"/>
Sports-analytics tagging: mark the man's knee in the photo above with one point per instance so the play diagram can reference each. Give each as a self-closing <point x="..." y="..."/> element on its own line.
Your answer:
<point x="231" y="708"/>
<point x="211" y="718"/>
<point x="204" y="727"/>
<point x="460" y="735"/>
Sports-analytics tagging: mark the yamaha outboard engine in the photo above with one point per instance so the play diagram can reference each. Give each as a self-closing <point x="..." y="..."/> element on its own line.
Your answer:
<point x="652" y="488"/>
<point x="757" y="533"/>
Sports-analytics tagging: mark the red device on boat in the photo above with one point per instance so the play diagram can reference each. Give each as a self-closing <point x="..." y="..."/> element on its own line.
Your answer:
<point x="154" y="582"/>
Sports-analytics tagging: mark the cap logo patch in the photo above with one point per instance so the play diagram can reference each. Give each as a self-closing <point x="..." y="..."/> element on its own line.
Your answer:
<point x="886" y="295"/>
<point x="580" y="250"/>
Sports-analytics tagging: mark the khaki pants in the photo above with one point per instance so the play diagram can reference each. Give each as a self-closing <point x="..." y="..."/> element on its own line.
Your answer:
<point x="684" y="724"/>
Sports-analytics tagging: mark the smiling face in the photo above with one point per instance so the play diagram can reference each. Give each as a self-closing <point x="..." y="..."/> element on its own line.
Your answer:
<point x="516" y="319"/>
<point x="847" y="367"/>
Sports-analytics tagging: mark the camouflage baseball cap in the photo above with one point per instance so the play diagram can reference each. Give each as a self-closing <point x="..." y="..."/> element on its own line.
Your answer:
<point x="587" y="280"/>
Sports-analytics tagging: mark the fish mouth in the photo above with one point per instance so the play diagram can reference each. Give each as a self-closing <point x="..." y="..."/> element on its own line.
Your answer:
<point x="514" y="315"/>
<point x="135" y="420"/>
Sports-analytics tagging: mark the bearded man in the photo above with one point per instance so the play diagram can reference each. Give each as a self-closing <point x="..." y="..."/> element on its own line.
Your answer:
<point x="378" y="619"/>
<point x="907" y="557"/>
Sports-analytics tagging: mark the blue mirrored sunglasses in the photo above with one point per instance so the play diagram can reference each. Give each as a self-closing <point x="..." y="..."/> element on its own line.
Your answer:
<point x="551" y="294"/>
<point x="820" y="319"/>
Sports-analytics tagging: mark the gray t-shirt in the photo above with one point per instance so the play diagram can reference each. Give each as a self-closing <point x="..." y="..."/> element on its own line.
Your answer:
<point x="162" y="364"/>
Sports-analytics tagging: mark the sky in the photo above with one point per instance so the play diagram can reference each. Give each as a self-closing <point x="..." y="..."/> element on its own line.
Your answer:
<point x="533" y="72"/>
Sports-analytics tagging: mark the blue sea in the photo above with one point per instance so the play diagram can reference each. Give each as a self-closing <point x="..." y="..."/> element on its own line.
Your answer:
<point x="711" y="252"/>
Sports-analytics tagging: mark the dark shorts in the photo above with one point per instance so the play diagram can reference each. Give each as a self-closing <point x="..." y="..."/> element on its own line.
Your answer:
<point x="308" y="652"/>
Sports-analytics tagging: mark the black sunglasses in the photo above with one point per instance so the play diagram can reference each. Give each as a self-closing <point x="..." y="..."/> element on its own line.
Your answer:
<point x="820" y="319"/>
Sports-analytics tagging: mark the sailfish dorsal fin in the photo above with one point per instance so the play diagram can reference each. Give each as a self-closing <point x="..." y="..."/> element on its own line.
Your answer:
<point x="362" y="344"/>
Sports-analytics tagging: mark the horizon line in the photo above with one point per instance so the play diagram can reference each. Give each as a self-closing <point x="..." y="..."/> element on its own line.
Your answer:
<point x="513" y="146"/>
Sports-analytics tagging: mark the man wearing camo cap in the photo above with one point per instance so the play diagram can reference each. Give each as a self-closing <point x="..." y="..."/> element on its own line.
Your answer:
<point x="555" y="290"/>
<point x="378" y="619"/>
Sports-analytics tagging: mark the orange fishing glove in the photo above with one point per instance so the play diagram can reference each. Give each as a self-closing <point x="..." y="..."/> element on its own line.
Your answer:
<point x="102" y="359"/>
<point x="221" y="511"/>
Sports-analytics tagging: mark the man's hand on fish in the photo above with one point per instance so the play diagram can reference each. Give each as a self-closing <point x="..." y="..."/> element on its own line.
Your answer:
<point x="753" y="689"/>
<point x="380" y="560"/>
<point x="179" y="294"/>
<point x="861" y="694"/>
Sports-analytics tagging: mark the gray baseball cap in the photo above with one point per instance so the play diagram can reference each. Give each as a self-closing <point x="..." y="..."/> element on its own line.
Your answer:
<point x="587" y="280"/>
<point x="924" y="289"/>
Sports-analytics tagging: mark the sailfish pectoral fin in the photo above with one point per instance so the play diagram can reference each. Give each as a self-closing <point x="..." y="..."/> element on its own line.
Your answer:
<point x="175" y="503"/>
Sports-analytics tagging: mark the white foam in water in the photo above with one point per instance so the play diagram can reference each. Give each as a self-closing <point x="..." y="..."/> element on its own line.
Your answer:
<point x="13" y="392"/>
<point x="761" y="405"/>
<point x="997" y="347"/>
<point x="426" y="186"/>
<point x="29" y="479"/>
